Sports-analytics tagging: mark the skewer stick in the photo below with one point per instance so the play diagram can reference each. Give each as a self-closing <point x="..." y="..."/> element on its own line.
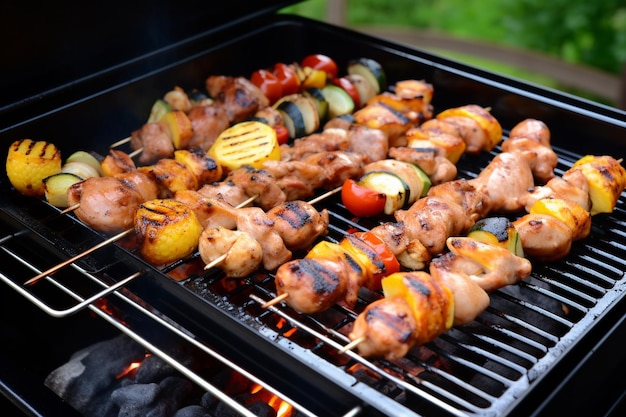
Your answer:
<point x="80" y="255"/>
<point x="352" y="344"/>
<point x="275" y="300"/>
<point x="70" y="208"/>
<point x="135" y="152"/>
<point x="325" y="195"/>
<point x="120" y="142"/>
<point x="215" y="261"/>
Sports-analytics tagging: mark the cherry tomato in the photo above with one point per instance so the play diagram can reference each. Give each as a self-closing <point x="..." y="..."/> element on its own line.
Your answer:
<point x="282" y="134"/>
<point x="349" y="87"/>
<point x="389" y="260"/>
<point x="362" y="201"/>
<point x="268" y="83"/>
<point x="288" y="78"/>
<point x="321" y="62"/>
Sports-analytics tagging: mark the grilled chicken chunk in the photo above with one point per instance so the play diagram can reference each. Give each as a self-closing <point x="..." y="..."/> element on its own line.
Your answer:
<point x="476" y="204"/>
<point x="431" y="220"/>
<point x="106" y="203"/>
<point x="571" y="186"/>
<point x="210" y="212"/>
<point x="386" y="328"/>
<point x="337" y="166"/>
<point x="225" y="191"/>
<point x="541" y="159"/>
<point x="298" y="223"/>
<point x="154" y="140"/>
<point x="239" y="97"/>
<point x="312" y="284"/>
<point x="469" y="298"/>
<point x="259" y="183"/>
<point x="506" y="180"/>
<point x="243" y="253"/>
<point x="544" y="237"/>
<point x="500" y="267"/>
<point x="208" y="122"/>
<point x="255" y="222"/>
<point x="140" y="182"/>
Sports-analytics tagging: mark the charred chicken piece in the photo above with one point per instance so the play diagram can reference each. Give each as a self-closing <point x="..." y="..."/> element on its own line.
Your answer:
<point x="312" y="284"/>
<point x="258" y="183"/>
<point x="298" y="223"/>
<point x="431" y="220"/>
<point x="239" y="97"/>
<point x="260" y="227"/>
<point x="207" y="121"/>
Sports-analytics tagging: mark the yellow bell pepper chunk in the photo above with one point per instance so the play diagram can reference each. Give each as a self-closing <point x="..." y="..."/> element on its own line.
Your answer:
<point x="569" y="212"/>
<point x="606" y="178"/>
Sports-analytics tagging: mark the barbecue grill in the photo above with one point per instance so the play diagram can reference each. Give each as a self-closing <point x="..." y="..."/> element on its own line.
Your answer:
<point x="550" y="344"/>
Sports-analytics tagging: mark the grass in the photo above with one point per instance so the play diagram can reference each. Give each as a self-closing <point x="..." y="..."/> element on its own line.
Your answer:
<point x="459" y="18"/>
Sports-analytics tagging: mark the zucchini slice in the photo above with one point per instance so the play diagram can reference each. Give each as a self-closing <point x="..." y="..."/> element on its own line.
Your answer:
<point x="303" y="112"/>
<point x="405" y="171"/>
<point x="395" y="188"/>
<point x="339" y="101"/>
<point x="371" y="70"/>
<point x="55" y="188"/>
<point x="497" y="231"/>
<point x="292" y="118"/>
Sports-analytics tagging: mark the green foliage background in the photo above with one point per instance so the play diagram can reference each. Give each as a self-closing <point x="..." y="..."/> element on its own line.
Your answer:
<point x="579" y="31"/>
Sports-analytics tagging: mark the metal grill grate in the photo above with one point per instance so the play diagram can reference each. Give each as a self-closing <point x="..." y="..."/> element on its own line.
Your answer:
<point x="474" y="369"/>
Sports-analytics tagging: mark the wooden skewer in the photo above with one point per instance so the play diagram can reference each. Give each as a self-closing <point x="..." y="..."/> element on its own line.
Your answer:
<point x="135" y="152"/>
<point x="70" y="208"/>
<point x="275" y="300"/>
<point x="76" y="257"/>
<point x="120" y="142"/>
<point x="325" y="195"/>
<point x="117" y="237"/>
<point x="215" y="261"/>
<point x="352" y="344"/>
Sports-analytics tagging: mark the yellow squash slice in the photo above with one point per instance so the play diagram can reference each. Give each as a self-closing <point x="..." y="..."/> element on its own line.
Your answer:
<point x="245" y="143"/>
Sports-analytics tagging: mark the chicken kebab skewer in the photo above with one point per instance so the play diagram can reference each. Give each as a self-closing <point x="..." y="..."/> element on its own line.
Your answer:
<point x="504" y="271"/>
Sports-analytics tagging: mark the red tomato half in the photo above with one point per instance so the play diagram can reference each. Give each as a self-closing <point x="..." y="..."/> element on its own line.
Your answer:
<point x="282" y="134"/>
<point x="321" y="62"/>
<point x="362" y="201"/>
<point x="268" y="83"/>
<point x="288" y="78"/>
<point x="352" y="91"/>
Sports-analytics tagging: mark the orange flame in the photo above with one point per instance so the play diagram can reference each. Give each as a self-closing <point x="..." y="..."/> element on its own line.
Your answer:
<point x="132" y="367"/>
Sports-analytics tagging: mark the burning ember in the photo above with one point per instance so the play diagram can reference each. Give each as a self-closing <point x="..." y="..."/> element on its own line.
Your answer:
<point x="117" y="378"/>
